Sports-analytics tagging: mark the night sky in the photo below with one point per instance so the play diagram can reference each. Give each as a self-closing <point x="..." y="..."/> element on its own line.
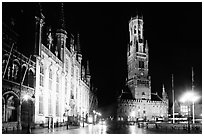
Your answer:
<point x="173" y="31"/>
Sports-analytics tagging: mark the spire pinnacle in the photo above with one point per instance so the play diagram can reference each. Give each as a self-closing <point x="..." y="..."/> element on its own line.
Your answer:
<point x="62" y="20"/>
<point x="87" y="68"/>
<point x="78" y="44"/>
<point x="163" y="89"/>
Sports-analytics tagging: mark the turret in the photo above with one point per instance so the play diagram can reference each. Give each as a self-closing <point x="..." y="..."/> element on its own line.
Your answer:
<point x="38" y="30"/>
<point x="164" y="94"/>
<point x="49" y="39"/>
<point x="78" y="49"/>
<point x="83" y="72"/>
<point x="61" y="35"/>
<point x="88" y="76"/>
<point x="137" y="60"/>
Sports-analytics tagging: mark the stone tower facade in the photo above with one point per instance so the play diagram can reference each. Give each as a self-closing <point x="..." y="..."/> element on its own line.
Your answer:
<point x="137" y="61"/>
<point x="140" y="104"/>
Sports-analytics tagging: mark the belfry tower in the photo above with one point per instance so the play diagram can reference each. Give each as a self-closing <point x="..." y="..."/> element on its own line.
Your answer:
<point x="137" y="60"/>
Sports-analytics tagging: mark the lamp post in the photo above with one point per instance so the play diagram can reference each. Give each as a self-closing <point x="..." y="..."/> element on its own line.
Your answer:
<point x="83" y="118"/>
<point x="189" y="98"/>
<point x="94" y="116"/>
<point x="67" y="119"/>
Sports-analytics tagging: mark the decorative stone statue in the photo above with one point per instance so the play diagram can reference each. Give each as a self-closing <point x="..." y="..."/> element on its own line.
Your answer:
<point x="50" y="39"/>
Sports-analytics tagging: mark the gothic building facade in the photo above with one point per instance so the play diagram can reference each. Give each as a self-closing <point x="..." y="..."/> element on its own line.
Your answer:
<point x="53" y="85"/>
<point x="137" y="104"/>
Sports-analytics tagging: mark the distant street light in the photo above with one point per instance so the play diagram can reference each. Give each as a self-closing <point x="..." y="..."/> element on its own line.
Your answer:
<point x="189" y="97"/>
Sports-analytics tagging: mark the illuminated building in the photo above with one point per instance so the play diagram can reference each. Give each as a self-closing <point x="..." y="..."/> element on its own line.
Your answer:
<point x="57" y="79"/>
<point x="137" y="104"/>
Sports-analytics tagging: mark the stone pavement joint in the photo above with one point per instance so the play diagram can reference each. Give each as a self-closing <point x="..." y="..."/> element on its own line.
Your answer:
<point x="42" y="130"/>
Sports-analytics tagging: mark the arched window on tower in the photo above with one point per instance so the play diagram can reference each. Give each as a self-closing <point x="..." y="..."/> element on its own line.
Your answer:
<point x="141" y="64"/>
<point x="140" y="48"/>
<point x="135" y="29"/>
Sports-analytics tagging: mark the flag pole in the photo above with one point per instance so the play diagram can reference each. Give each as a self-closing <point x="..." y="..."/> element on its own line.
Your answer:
<point x="193" y="92"/>
<point x="173" y="97"/>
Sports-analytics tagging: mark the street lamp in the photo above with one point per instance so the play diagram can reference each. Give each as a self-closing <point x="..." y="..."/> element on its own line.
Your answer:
<point x="189" y="97"/>
<point x="94" y="116"/>
<point x="66" y="111"/>
<point x="83" y="118"/>
<point x="26" y="98"/>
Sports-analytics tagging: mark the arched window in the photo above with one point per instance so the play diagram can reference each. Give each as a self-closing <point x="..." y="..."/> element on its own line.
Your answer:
<point x="57" y="105"/>
<point x="50" y="104"/>
<point x="11" y="109"/>
<point x="41" y="102"/>
<point x="50" y="79"/>
<point x="66" y="65"/>
<point x="31" y="78"/>
<point x="135" y="29"/>
<point x="4" y="62"/>
<point x="57" y="83"/>
<point x="41" y="75"/>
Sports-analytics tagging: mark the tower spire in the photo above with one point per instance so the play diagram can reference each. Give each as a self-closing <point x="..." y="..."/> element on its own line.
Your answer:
<point x="193" y="107"/>
<point x="87" y="68"/>
<point x="78" y="44"/>
<point x="62" y="20"/>
<point x="163" y="89"/>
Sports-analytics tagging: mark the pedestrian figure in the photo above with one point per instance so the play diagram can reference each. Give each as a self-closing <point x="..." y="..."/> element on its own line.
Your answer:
<point x="156" y="126"/>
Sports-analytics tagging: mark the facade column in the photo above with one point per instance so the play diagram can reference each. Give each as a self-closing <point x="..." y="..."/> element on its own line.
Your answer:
<point x="33" y="114"/>
<point x="19" y="127"/>
<point x="6" y="107"/>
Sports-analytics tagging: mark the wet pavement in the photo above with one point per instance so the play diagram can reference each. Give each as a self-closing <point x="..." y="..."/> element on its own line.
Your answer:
<point x="105" y="128"/>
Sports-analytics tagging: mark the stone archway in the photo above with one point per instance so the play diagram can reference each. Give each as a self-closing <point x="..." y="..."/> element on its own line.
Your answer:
<point x="27" y="113"/>
<point x="10" y="107"/>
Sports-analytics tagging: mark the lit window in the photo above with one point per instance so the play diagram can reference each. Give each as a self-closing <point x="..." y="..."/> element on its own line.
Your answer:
<point x="135" y="29"/>
<point x="57" y="105"/>
<point x="50" y="104"/>
<point x="140" y="48"/>
<point x="141" y="64"/>
<point x="41" y="103"/>
<point x="184" y="108"/>
<point x="41" y="75"/>
<point x="50" y="79"/>
<point x="67" y="65"/>
<point x="57" y="83"/>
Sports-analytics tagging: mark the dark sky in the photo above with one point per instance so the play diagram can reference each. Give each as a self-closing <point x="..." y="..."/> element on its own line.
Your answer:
<point x="173" y="31"/>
